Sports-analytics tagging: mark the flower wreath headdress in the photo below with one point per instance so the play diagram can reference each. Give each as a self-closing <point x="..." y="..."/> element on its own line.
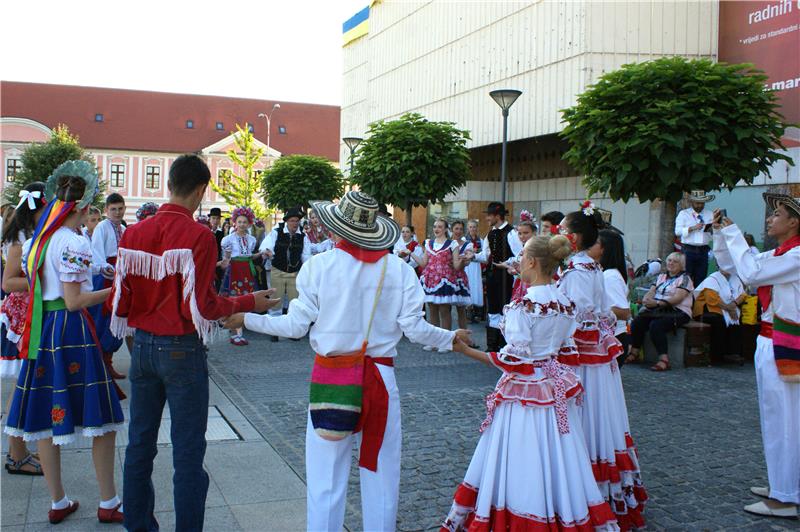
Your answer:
<point x="147" y="209"/>
<point x="247" y="212"/>
<point x="525" y="216"/>
<point x="83" y="169"/>
<point x="587" y="207"/>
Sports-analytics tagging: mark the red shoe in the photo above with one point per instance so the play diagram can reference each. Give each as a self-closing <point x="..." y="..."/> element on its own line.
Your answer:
<point x="243" y="341"/>
<point x="56" y="516"/>
<point x="112" y="515"/>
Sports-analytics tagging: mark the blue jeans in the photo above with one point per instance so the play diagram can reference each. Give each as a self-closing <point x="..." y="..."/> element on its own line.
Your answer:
<point x="696" y="263"/>
<point x="173" y="369"/>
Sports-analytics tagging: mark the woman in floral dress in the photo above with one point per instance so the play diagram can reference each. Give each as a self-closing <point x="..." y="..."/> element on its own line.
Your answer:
<point x="64" y="387"/>
<point x="238" y="250"/>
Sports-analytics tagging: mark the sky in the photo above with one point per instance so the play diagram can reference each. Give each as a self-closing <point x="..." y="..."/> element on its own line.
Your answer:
<point x="284" y="50"/>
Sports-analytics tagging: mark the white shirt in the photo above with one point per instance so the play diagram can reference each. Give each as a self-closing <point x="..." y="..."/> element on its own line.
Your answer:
<point x="337" y="293"/>
<point x="238" y="246"/>
<point x="401" y="245"/>
<point x="783" y="272"/>
<point x="689" y="217"/>
<point x="272" y="238"/>
<point x="68" y="260"/>
<point x="104" y="244"/>
<point x="320" y="247"/>
<point x="513" y="242"/>
<point x="616" y="294"/>
<point x="729" y="289"/>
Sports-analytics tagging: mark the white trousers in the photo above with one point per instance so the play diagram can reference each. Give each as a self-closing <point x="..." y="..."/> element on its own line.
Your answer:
<point x="779" y="405"/>
<point x="328" y="469"/>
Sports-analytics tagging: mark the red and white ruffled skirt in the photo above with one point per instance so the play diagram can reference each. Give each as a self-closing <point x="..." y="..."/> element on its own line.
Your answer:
<point x="615" y="461"/>
<point x="526" y="472"/>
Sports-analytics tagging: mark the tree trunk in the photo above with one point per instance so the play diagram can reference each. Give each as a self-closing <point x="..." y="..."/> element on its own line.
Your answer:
<point x="667" y="239"/>
<point x="409" y="214"/>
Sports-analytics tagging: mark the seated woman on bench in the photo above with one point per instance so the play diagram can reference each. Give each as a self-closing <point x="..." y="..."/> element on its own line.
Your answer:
<point x="668" y="305"/>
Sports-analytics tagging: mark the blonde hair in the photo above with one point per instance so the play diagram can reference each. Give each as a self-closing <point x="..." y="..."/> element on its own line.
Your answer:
<point x="548" y="251"/>
<point x="680" y="257"/>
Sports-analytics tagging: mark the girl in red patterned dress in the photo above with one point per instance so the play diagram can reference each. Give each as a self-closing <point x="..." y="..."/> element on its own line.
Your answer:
<point x="439" y="277"/>
<point x="238" y="249"/>
<point x="19" y="461"/>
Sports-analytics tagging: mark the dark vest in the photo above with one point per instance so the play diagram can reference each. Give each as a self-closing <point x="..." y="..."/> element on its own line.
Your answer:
<point x="288" y="256"/>
<point x="498" y="244"/>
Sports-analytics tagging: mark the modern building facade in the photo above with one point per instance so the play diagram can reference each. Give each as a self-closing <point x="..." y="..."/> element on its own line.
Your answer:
<point x="135" y="135"/>
<point x="442" y="58"/>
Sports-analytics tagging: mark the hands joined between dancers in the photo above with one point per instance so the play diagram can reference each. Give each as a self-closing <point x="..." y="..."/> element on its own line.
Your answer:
<point x="263" y="303"/>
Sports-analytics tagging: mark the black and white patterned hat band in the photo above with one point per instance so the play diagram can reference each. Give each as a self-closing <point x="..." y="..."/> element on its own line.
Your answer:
<point x="356" y="218"/>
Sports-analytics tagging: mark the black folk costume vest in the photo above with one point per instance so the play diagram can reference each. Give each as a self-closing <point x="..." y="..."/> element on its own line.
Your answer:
<point x="499" y="284"/>
<point x="288" y="255"/>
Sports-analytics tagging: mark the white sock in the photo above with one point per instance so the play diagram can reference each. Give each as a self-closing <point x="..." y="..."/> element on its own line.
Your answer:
<point x="62" y="504"/>
<point x="110" y="503"/>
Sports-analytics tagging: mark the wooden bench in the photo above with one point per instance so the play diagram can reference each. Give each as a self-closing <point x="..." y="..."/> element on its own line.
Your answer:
<point x="684" y="346"/>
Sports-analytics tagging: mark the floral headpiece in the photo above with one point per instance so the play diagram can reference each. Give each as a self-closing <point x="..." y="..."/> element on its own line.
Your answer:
<point x="204" y="220"/>
<point x="147" y="209"/>
<point x="587" y="207"/>
<point x="260" y="223"/>
<point x="247" y="212"/>
<point x="525" y="216"/>
<point x="82" y="169"/>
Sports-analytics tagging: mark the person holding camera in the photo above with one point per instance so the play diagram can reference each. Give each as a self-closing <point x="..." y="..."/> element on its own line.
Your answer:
<point x="668" y="305"/>
<point x="693" y="227"/>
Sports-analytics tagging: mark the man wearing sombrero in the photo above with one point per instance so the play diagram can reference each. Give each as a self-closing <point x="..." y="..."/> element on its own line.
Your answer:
<point x="776" y="273"/>
<point x="358" y="300"/>
<point x="690" y="227"/>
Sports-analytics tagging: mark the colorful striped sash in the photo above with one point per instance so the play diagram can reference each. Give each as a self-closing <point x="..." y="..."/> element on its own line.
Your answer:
<point x="786" y="345"/>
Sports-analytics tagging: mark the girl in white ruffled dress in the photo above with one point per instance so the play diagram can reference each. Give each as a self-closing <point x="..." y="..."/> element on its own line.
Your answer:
<point x="531" y="470"/>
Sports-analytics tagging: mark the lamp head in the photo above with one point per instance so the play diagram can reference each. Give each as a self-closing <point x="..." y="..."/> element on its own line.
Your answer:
<point x="352" y="142"/>
<point x="505" y="98"/>
<point x="262" y="115"/>
<point x="276" y="106"/>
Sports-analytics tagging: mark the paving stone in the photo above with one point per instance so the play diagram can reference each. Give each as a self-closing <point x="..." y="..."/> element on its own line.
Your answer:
<point x="697" y="430"/>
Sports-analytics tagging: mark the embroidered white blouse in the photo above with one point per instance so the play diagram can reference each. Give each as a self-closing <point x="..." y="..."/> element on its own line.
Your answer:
<point x="68" y="260"/>
<point x="105" y="242"/>
<point x="337" y="293"/>
<point x="237" y="245"/>
<point x="584" y="284"/>
<point x="540" y="325"/>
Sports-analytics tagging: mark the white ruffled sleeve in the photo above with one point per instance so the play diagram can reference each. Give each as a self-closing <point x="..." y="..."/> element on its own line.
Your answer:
<point x="75" y="261"/>
<point x="516" y="329"/>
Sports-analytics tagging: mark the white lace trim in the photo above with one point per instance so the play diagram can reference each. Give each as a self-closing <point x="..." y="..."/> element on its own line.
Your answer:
<point x="11" y="336"/>
<point x="10" y="368"/>
<point x="157" y="268"/>
<point x="64" y="439"/>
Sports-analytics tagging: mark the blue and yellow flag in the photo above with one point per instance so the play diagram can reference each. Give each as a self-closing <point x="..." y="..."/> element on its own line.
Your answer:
<point x="355" y="27"/>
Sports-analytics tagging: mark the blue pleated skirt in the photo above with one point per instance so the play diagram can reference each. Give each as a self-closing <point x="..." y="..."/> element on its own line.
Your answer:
<point x="66" y="390"/>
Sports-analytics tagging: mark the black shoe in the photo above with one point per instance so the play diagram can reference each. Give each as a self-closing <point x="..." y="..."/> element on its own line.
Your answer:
<point x="273" y="338"/>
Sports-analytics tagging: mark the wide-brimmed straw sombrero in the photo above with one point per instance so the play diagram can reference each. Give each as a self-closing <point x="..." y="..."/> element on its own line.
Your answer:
<point x="356" y="218"/>
<point x="699" y="195"/>
<point x="774" y="200"/>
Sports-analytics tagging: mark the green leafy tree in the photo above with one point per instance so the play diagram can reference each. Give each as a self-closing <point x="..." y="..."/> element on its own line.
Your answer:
<point x="658" y="129"/>
<point x="40" y="159"/>
<point x="412" y="161"/>
<point x="243" y="188"/>
<point x="294" y="180"/>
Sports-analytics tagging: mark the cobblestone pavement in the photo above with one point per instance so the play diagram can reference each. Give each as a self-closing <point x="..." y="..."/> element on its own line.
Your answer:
<point x="697" y="430"/>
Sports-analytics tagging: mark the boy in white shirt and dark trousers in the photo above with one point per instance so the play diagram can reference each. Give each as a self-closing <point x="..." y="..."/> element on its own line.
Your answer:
<point x="358" y="300"/>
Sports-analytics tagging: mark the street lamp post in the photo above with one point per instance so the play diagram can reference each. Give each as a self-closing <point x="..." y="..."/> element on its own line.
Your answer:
<point x="352" y="143"/>
<point x="505" y="98"/>
<point x="268" y="117"/>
